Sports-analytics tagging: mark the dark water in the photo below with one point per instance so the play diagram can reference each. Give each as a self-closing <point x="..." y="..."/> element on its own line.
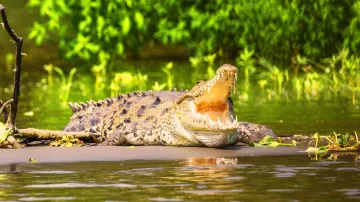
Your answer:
<point x="244" y="179"/>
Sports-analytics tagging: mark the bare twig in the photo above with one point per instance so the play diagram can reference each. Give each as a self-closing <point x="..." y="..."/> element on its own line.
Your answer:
<point x="3" y="107"/>
<point x="52" y="134"/>
<point x="11" y="121"/>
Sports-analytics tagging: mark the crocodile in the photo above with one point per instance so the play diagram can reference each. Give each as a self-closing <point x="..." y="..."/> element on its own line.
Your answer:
<point x="202" y="116"/>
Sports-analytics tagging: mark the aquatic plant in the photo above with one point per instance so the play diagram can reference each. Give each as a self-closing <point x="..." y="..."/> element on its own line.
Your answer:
<point x="268" y="141"/>
<point x="127" y="81"/>
<point x="273" y="74"/>
<point x="338" y="76"/>
<point x="49" y="68"/>
<point x="339" y="142"/>
<point x="65" y="83"/>
<point x="210" y="60"/>
<point x="246" y="61"/>
<point x="169" y="75"/>
<point x="158" y="86"/>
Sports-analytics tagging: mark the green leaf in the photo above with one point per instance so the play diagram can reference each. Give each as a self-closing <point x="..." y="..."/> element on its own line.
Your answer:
<point x="269" y="141"/>
<point x="120" y="48"/>
<point x="322" y="150"/>
<point x="125" y="25"/>
<point x="4" y="133"/>
<point x="139" y="18"/>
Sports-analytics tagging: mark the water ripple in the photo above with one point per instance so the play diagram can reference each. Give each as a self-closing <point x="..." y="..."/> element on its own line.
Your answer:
<point x="46" y="198"/>
<point x="165" y="199"/>
<point x="52" y="172"/>
<point x="212" y="191"/>
<point x="281" y="190"/>
<point x="348" y="169"/>
<point x="78" y="185"/>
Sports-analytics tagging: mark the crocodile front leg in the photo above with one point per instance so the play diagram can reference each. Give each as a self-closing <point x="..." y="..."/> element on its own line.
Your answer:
<point x="250" y="132"/>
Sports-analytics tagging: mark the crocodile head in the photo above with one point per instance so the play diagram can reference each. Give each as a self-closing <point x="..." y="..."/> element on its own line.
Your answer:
<point x="204" y="114"/>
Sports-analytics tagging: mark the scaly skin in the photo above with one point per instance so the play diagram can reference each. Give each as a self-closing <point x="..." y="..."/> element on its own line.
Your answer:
<point x="204" y="116"/>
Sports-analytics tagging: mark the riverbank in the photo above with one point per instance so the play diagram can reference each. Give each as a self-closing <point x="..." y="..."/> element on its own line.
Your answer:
<point x="120" y="153"/>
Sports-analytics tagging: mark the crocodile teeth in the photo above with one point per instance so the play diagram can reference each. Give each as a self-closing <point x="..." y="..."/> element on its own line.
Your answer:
<point x="236" y="120"/>
<point x="218" y="121"/>
<point x="236" y="76"/>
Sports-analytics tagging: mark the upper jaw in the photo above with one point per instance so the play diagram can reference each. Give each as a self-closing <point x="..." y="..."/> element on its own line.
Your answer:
<point x="223" y="75"/>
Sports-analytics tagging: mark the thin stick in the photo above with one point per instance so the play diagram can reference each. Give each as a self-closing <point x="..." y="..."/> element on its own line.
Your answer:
<point x="11" y="122"/>
<point x="52" y="134"/>
<point x="3" y="107"/>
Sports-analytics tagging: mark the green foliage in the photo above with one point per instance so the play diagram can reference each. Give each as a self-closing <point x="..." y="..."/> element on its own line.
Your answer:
<point x="170" y="77"/>
<point x="49" y="68"/>
<point x="336" y="76"/>
<point x="268" y="141"/>
<point x="247" y="62"/>
<point x="158" y="86"/>
<point x="272" y="29"/>
<point x="127" y="81"/>
<point x="338" y="142"/>
<point x="65" y="83"/>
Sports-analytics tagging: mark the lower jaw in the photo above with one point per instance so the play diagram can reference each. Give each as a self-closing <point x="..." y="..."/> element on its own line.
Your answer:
<point x="221" y="139"/>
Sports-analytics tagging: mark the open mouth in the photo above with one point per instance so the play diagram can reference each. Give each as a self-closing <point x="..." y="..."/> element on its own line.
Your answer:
<point x="212" y="100"/>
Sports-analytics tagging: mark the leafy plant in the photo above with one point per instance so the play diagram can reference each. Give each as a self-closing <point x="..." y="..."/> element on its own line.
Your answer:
<point x="268" y="141"/>
<point x="126" y="81"/>
<point x="66" y="83"/>
<point x="247" y="62"/>
<point x="158" y="86"/>
<point x="49" y="68"/>
<point x="336" y="142"/>
<point x="169" y="76"/>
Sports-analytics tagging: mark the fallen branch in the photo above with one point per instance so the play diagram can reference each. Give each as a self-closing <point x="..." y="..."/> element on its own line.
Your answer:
<point x="11" y="121"/>
<point x="3" y="107"/>
<point x="33" y="133"/>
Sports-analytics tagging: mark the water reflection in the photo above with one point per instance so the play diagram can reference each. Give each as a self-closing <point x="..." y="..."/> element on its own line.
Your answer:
<point x="196" y="179"/>
<point x="335" y="156"/>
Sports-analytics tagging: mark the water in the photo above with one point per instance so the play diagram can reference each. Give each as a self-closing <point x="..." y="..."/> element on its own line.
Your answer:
<point x="293" y="178"/>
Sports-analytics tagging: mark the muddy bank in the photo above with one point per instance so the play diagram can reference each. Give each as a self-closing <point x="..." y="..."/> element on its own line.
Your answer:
<point x="119" y="153"/>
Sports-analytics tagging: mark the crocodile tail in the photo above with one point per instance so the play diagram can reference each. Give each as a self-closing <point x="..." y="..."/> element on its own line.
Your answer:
<point x="77" y="107"/>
